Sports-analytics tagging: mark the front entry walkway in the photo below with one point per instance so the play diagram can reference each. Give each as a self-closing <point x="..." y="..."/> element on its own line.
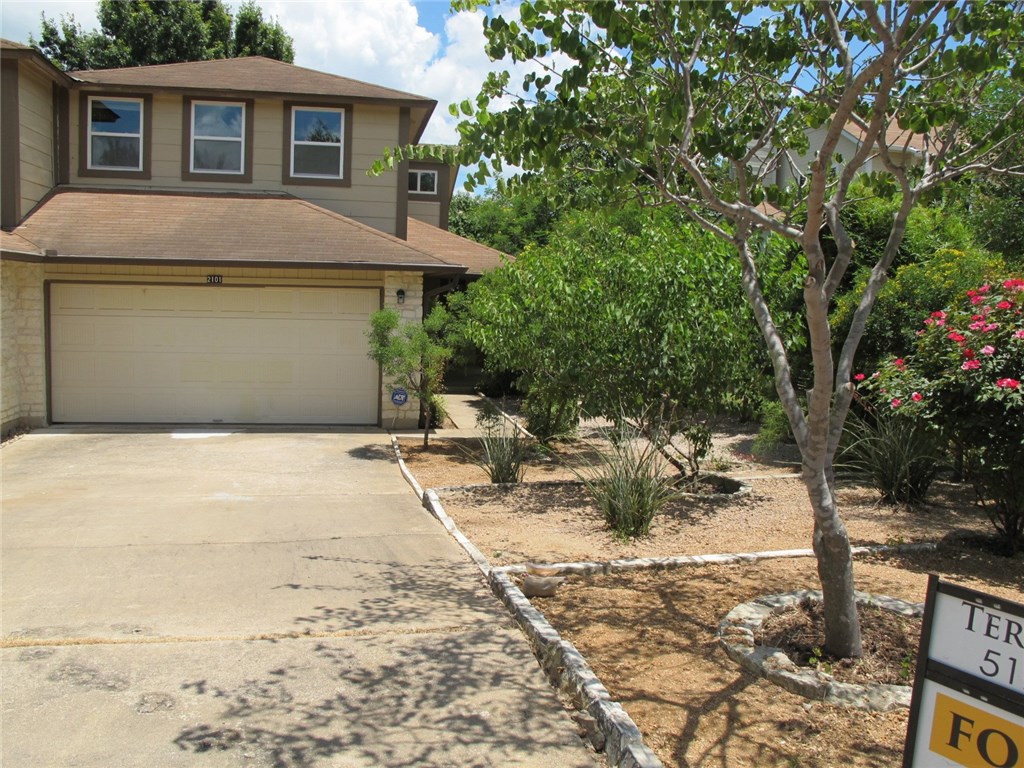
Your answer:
<point x="250" y="599"/>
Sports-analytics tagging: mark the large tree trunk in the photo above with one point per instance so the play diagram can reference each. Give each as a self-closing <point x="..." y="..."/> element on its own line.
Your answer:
<point x="835" y="567"/>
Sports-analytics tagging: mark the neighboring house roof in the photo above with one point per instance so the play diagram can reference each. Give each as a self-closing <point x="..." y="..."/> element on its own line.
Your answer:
<point x="895" y="137"/>
<point x="11" y="49"/>
<point x="5" y="43"/>
<point x="210" y="228"/>
<point x="452" y="248"/>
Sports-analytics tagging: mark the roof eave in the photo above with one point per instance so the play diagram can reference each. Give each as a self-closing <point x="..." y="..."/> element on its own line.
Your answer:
<point x="372" y="266"/>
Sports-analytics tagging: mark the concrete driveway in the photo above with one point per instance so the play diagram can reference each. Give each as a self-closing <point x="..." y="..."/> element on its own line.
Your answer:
<point x="250" y="599"/>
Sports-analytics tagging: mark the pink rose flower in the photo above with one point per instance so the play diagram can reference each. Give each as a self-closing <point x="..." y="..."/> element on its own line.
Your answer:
<point x="970" y="365"/>
<point x="988" y="349"/>
<point x="984" y="288"/>
<point x="1007" y="383"/>
<point x="898" y="362"/>
<point x="977" y="299"/>
<point x="1004" y="304"/>
<point x="1019" y="334"/>
<point x="990" y="327"/>
<point x="916" y="397"/>
<point x="954" y="336"/>
<point x="896" y="402"/>
<point x="859" y="377"/>
<point x="969" y="354"/>
<point x="1013" y="284"/>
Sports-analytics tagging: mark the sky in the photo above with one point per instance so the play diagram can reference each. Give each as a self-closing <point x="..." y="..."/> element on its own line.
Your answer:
<point x="417" y="46"/>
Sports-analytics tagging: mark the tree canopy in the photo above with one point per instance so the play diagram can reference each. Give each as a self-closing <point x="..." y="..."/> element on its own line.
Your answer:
<point x="694" y="105"/>
<point x="139" y="32"/>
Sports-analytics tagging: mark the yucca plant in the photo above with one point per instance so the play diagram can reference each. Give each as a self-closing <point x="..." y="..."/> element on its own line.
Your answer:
<point x="629" y="482"/>
<point x="503" y="449"/>
<point x="899" y="456"/>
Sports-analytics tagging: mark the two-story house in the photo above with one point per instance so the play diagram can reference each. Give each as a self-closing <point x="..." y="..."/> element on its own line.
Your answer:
<point x="201" y="243"/>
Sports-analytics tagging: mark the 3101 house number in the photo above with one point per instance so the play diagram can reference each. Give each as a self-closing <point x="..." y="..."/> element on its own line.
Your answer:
<point x="215" y="279"/>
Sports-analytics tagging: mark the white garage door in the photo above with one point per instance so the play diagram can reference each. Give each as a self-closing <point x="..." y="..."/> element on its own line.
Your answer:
<point x="211" y="354"/>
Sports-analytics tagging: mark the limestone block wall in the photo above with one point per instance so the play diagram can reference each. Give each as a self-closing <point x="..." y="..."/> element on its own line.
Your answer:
<point x="22" y="346"/>
<point x="411" y="311"/>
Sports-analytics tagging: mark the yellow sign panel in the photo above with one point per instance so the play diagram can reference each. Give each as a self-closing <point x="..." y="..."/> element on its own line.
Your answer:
<point x="974" y="738"/>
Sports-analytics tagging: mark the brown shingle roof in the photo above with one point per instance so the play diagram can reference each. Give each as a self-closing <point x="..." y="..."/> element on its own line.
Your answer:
<point x="10" y="44"/>
<point x="252" y="74"/>
<point x="213" y="228"/>
<point x="12" y="243"/>
<point x="454" y="249"/>
<point x="895" y="137"/>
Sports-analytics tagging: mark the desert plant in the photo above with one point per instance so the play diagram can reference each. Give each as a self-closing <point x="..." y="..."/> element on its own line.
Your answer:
<point x="774" y="429"/>
<point x="897" y="455"/>
<point x="503" y="449"/>
<point x="629" y="482"/>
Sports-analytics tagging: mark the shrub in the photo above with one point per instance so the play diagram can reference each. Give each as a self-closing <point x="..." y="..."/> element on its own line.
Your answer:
<point x="898" y="455"/>
<point x="964" y="377"/>
<point x="504" y="450"/>
<point x="629" y="483"/>
<point x="774" y="428"/>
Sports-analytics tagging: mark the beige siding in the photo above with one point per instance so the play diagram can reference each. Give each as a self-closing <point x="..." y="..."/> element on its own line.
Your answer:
<point x="429" y="213"/>
<point x="35" y="103"/>
<point x="372" y="201"/>
<point x="22" y="342"/>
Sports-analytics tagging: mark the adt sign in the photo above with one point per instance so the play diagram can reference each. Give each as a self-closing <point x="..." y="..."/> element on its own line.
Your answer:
<point x="399" y="397"/>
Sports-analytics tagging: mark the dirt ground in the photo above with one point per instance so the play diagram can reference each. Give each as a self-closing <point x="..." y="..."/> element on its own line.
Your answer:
<point x="651" y="636"/>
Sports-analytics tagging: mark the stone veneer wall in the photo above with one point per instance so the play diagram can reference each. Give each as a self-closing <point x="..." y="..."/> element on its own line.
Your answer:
<point x="411" y="311"/>
<point x="22" y="346"/>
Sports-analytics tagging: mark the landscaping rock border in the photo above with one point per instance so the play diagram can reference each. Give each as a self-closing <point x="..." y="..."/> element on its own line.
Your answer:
<point x="738" y="629"/>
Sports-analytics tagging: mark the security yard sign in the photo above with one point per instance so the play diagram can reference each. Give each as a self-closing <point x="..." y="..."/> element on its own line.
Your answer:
<point x="968" y="704"/>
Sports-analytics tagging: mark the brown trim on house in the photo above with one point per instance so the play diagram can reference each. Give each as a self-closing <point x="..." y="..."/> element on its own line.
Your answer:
<point x="187" y="174"/>
<point x="31" y="258"/>
<point x="40" y="62"/>
<point x="10" y="145"/>
<point x="61" y="135"/>
<point x="402" y="191"/>
<point x="446" y="178"/>
<point x="363" y="266"/>
<point x="199" y="93"/>
<point x="47" y="344"/>
<point x="83" y="137"/>
<point x="346" y="147"/>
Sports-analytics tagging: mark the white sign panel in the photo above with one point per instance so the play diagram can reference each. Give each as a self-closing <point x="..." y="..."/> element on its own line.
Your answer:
<point x="984" y="641"/>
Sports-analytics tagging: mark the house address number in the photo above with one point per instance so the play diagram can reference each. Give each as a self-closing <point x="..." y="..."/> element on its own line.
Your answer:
<point x="215" y="279"/>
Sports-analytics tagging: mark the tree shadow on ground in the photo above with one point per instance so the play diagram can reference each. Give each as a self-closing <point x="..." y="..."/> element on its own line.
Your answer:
<point x="373" y="452"/>
<point x="425" y="670"/>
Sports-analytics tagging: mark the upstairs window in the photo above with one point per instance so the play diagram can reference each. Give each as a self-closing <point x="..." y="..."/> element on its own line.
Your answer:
<point x="423" y="182"/>
<point x="115" y="134"/>
<point x="317" y="142"/>
<point x="218" y="137"/>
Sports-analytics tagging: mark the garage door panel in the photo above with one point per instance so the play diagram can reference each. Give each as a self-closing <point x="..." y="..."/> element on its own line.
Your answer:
<point x="212" y="354"/>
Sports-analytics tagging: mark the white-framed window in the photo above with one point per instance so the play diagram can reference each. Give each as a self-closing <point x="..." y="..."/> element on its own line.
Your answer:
<point x="317" y="145"/>
<point x="115" y="129"/>
<point x="218" y="137"/>
<point x="423" y="182"/>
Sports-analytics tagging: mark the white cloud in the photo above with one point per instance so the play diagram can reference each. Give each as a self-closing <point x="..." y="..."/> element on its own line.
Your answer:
<point x="20" y="18"/>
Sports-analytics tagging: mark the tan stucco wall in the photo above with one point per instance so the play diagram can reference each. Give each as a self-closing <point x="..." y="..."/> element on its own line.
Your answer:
<point x="35" y="107"/>
<point x="23" y="322"/>
<point x="372" y="201"/>
<point x="22" y="346"/>
<point x="408" y="416"/>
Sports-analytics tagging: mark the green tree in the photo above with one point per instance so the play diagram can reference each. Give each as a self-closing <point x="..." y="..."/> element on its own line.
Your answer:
<point x="140" y="32"/>
<point x="617" y="312"/>
<point x="689" y="104"/>
<point x="411" y="355"/>
<point x="507" y="221"/>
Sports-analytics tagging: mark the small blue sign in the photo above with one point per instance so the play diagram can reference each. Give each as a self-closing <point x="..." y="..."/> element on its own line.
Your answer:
<point x="399" y="396"/>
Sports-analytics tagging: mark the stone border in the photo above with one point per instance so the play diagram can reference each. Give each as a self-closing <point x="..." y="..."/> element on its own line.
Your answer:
<point x="608" y="726"/>
<point x="736" y="636"/>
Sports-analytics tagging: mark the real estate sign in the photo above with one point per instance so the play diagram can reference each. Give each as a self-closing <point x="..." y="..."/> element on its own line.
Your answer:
<point x="968" y="704"/>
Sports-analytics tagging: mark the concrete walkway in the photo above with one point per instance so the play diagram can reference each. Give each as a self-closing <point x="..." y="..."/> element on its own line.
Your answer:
<point x="251" y="598"/>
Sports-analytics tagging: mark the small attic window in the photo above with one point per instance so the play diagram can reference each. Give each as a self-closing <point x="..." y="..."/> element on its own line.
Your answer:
<point x="423" y="182"/>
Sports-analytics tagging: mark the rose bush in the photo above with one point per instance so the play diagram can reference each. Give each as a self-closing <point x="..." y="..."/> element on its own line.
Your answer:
<point x="965" y="380"/>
